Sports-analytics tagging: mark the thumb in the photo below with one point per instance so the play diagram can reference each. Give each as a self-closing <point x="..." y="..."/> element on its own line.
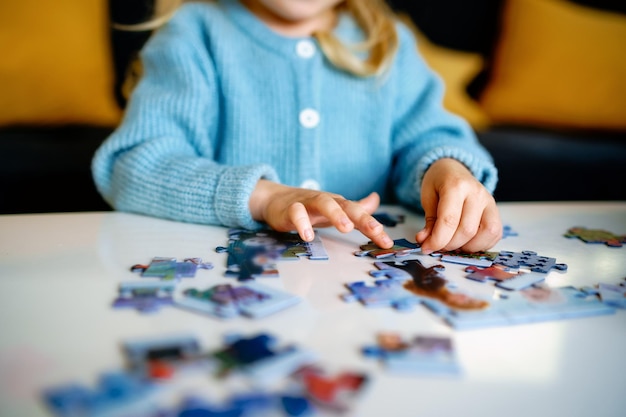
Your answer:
<point x="370" y="203"/>
<point x="429" y="204"/>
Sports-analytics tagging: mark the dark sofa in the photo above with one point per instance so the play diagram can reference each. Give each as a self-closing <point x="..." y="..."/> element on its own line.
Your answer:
<point x="46" y="167"/>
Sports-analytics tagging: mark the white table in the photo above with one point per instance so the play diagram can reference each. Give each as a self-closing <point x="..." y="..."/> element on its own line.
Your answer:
<point x="59" y="274"/>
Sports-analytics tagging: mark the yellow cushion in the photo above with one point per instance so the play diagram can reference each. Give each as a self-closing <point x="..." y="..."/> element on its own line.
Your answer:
<point x="558" y="64"/>
<point x="56" y="65"/>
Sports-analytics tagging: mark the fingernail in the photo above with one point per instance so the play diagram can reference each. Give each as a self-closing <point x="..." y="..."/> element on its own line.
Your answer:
<point x="308" y="234"/>
<point x="387" y="241"/>
<point x="345" y="221"/>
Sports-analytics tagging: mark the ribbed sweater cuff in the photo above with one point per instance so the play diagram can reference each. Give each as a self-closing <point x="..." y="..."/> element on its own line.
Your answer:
<point x="233" y="193"/>
<point x="486" y="174"/>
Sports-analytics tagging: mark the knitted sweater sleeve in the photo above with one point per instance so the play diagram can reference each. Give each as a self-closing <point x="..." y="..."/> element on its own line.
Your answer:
<point x="160" y="160"/>
<point x="425" y="132"/>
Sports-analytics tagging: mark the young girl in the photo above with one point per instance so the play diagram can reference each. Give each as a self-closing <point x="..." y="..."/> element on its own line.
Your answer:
<point x="296" y="114"/>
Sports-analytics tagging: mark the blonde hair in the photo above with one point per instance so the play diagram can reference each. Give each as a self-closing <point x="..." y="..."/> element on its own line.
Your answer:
<point x="373" y="56"/>
<point x="381" y="40"/>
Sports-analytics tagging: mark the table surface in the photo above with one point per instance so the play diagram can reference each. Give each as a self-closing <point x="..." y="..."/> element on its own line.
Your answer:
<point x="60" y="272"/>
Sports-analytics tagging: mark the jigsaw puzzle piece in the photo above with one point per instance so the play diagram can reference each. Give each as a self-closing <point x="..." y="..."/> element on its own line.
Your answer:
<point x="382" y="293"/>
<point x="251" y="300"/>
<point x="389" y="220"/>
<point x="596" y="236"/>
<point x="482" y="259"/>
<point x="421" y="355"/>
<point x="114" y="391"/>
<point x="530" y="305"/>
<point x="529" y="259"/>
<point x="253" y="254"/>
<point x="495" y="273"/>
<point x="161" y="357"/>
<point x="260" y="359"/>
<point x="400" y="248"/>
<point x="146" y="297"/>
<point x="613" y="295"/>
<point x="246" y="405"/>
<point x="336" y="392"/>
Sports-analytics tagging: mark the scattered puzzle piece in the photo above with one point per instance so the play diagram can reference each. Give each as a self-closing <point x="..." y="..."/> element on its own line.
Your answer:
<point x="335" y="393"/>
<point x="260" y="359"/>
<point x="244" y="405"/>
<point x="507" y="231"/>
<point x="507" y="280"/>
<point x="596" y="236"/>
<point x="427" y="283"/>
<point x="173" y="351"/>
<point x="225" y="300"/>
<point x="400" y="248"/>
<point x="530" y="305"/>
<point x="421" y="355"/>
<point x="170" y="269"/>
<point x="613" y="295"/>
<point x="382" y="293"/>
<point x="114" y="391"/>
<point x="253" y="254"/>
<point x="529" y="259"/>
<point x="459" y="257"/>
<point x="389" y="220"/>
<point x="146" y="297"/>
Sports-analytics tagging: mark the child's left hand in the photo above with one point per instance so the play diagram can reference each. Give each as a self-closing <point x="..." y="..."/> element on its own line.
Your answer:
<point x="459" y="211"/>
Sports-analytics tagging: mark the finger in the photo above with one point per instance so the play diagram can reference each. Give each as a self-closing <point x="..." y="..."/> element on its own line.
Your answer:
<point x="429" y="204"/>
<point x="370" y="203"/>
<point x="299" y="216"/>
<point x="448" y="218"/>
<point x="471" y="217"/>
<point x="324" y="208"/>
<point x="489" y="231"/>
<point x="367" y="224"/>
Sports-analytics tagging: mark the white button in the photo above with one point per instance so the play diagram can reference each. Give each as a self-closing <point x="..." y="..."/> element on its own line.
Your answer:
<point x="305" y="49"/>
<point x="309" y="118"/>
<point x="310" y="185"/>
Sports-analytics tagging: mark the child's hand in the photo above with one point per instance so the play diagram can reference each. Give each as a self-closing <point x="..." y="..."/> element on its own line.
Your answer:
<point x="286" y="208"/>
<point x="459" y="211"/>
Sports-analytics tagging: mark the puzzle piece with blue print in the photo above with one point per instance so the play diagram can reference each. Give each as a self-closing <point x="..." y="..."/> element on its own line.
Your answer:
<point x="504" y="279"/>
<point x="538" y="303"/>
<point x="145" y="296"/>
<point x="596" y="236"/>
<point x="400" y="248"/>
<point x="226" y="301"/>
<point x="530" y="260"/>
<point x="113" y="392"/>
<point x="169" y="269"/>
<point x="507" y="231"/>
<point x="254" y="404"/>
<point x="423" y="354"/>
<point x="382" y="293"/>
<point x="389" y="220"/>
<point x="254" y="254"/>
<point x="260" y="358"/>
<point x="482" y="258"/>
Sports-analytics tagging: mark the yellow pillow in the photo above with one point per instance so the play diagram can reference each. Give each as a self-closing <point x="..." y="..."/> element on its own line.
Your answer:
<point x="558" y="64"/>
<point x="56" y="65"/>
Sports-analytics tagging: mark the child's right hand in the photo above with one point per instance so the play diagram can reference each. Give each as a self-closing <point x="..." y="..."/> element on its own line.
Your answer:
<point x="286" y="208"/>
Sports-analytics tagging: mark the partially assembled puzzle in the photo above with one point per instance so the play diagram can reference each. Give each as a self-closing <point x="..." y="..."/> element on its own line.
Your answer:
<point x="253" y="254"/>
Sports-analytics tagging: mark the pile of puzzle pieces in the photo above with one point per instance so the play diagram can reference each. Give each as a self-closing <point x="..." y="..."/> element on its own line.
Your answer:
<point x="259" y="359"/>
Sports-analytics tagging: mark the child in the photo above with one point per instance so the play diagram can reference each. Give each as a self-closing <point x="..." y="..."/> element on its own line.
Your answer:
<point x="296" y="114"/>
